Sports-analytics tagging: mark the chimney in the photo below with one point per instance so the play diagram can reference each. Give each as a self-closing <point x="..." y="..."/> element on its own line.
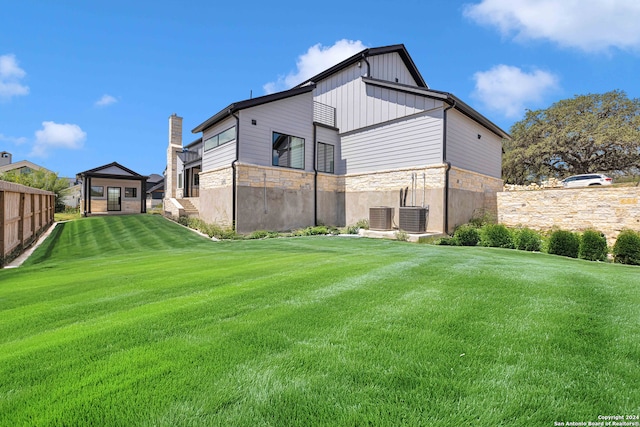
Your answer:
<point x="5" y="158"/>
<point x="175" y="146"/>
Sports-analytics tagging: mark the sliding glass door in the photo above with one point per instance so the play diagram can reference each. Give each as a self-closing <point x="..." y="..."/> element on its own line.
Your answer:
<point x="113" y="199"/>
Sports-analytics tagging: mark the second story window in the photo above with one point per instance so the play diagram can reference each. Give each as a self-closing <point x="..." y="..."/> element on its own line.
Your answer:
<point x="288" y="151"/>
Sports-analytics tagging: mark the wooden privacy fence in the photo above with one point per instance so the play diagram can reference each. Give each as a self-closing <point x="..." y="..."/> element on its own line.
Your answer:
<point x="25" y="213"/>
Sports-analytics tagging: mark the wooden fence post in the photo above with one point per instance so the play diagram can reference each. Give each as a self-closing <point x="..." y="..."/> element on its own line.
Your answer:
<point x="21" y="220"/>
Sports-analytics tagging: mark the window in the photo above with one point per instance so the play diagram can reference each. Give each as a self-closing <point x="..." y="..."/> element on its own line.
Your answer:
<point x="220" y="139"/>
<point x="130" y="192"/>
<point x="325" y="157"/>
<point x="97" y="191"/>
<point x="179" y="180"/>
<point x="288" y="151"/>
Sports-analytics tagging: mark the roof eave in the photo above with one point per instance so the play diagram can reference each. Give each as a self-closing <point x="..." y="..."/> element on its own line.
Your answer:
<point x="247" y="103"/>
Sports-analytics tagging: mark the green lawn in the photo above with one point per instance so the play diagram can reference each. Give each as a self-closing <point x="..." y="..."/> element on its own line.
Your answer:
<point x="134" y="320"/>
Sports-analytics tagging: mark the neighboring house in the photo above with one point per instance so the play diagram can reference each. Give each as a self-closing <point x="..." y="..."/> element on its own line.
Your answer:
<point x="112" y="189"/>
<point x="22" y="166"/>
<point x="70" y="197"/>
<point x="367" y="132"/>
<point x="155" y="190"/>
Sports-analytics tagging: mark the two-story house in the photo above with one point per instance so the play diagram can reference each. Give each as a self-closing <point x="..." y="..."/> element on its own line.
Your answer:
<point x="367" y="132"/>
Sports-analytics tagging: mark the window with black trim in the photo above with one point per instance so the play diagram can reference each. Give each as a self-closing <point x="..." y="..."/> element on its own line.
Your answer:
<point x="220" y="139"/>
<point x="288" y="151"/>
<point x="97" y="191"/>
<point x="325" y="157"/>
<point x="130" y="192"/>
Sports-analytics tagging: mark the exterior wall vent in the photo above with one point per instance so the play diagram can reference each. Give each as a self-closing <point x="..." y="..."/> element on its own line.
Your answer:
<point x="413" y="219"/>
<point x="380" y="218"/>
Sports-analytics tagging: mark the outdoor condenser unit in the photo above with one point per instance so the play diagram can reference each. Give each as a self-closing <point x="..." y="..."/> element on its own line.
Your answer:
<point x="380" y="218"/>
<point x="413" y="219"/>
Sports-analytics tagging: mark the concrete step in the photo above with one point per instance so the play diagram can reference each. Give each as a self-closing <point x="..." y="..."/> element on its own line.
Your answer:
<point x="189" y="209"/>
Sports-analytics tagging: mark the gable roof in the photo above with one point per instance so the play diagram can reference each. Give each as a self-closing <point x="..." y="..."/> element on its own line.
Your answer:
<point x="112" y="170"/>
<point x="374" y="51"/>
<point x="247" y="103"/>
<point x="22" y="164"/>
<point x="447" y="97"/>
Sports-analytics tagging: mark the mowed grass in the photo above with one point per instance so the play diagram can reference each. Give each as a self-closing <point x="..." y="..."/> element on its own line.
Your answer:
<point x="134" y="320"/>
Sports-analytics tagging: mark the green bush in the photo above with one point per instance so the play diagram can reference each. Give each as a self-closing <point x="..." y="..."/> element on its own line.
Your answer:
<point x="183" y="220"/>
<point x="355" y="228"/>
<point x="482" y="217"/>
<point x="258" y="234"/>
<point x="312" y="231"/>
<point x="627" y="248"/>
<point x="445" y="241"/>
<point x="528" y="240"/>
<point x="496" y="236"/>
<point x="593" y="246"/>
<point x="564" y="243"/>
<point x="467" y="235"/>
<point x="363" y="223"/>
<point x="402" y="235"/>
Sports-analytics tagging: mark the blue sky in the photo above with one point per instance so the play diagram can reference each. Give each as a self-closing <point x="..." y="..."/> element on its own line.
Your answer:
<point x="86" y="83"/>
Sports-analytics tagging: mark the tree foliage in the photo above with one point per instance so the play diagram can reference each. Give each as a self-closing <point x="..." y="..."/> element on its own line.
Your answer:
<point x="43" y="180"/>
<point x="585" y="134"/>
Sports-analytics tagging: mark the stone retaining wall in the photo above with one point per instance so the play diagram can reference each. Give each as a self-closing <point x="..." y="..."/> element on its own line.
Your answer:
<point x="607" y="209"/>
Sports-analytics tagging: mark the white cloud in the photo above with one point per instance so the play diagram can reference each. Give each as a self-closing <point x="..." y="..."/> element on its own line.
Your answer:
<point x="56" y="135"/>
<point x="105" y="100"/>
<point x="589" y="25"/>
<point x="18" y="141"/>
<point x="509" y="90"/>
<point x="10" y="76"/>
<point x="317" y="59"/>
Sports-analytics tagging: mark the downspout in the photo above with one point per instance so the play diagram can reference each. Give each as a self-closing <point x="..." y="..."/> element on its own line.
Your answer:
<point x="315" y="176"/>
<point x="234" y="190"/>
<point x="84" y="194"/>
<point x="448" y="164"/>
<point x="88" y="195"/>
<point x="364" y="58"/>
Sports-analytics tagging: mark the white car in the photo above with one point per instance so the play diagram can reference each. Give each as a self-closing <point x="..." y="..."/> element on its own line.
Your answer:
<point x="586" y="180"/>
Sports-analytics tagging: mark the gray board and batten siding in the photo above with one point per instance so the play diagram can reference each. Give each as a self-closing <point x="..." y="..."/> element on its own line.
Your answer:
<point x="358" y="106"/>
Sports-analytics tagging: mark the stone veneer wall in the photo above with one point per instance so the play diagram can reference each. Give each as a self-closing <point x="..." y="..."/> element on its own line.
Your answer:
<point x="367" y="190"/>
<point x="216" y="196"/>
<point x="471" y="193"/>
<point x="273" y="198"/>
<point x="607" y="209"/>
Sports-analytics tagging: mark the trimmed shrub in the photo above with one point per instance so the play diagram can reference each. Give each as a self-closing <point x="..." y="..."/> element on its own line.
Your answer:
<point x="528" y="240"/>
<point x="627" y="248"/>
<point x="593" y="246"/>
<point x="564" y="243"/>
<point x="467" y="235"/>
<point x="496" y="236"/>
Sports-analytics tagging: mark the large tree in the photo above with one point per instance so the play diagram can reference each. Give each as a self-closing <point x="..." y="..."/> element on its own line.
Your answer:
<point x="43" y="180"/>
<point x="584" y="134"/>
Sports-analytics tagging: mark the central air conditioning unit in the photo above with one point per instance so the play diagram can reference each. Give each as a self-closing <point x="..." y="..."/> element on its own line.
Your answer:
<point x="413" y="219"/>
<point x="380" y="218"/>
